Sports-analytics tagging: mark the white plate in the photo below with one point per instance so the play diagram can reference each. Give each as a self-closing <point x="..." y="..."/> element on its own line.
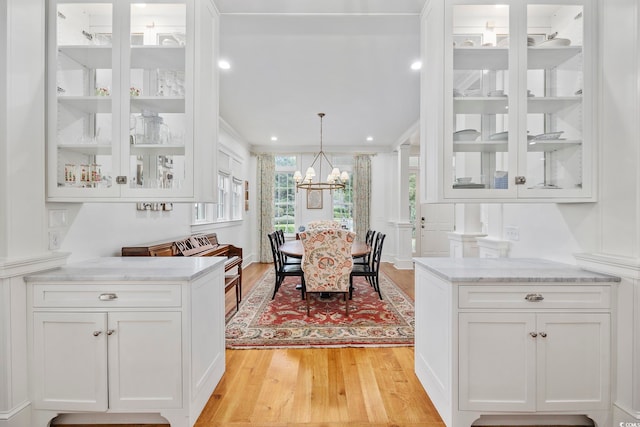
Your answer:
<point x="500" y="136"/>
<point x="548" y="135"/>
<point x="466" y="135"/>
<point x="554" y="43"/>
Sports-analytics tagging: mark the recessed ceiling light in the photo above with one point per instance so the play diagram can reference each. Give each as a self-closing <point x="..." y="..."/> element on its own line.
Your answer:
<point x="416" y="65"/>
<point x="224" y="64"/>
<point x="274" y="138"/>
<point x="369" y="138"/>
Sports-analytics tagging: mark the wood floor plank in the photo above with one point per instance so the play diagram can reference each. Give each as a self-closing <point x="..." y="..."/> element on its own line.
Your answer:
<point x="371" y="392"/>
<point x="353" y="387"/>
<point x="278" y="388"/>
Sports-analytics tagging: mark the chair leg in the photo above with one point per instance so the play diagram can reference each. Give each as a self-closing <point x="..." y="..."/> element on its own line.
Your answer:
<point x="276" y="287"/>
<point x="307" y="305"/>
<point x="377" y="285"/>
<point x="350" y="287"/>
<point x="346" y="302"/>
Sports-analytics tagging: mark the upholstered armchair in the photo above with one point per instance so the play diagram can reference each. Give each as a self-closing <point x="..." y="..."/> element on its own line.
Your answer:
<point x="327" y="262"/>
<point x="325" y="223"/>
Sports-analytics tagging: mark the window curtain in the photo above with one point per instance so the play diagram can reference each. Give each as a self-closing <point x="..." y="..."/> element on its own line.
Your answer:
<point x="362" y="195"/>
<point x="266" y="184"/>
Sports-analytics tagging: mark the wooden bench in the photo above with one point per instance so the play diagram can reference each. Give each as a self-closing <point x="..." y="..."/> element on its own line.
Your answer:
<point x="198" y="245"/>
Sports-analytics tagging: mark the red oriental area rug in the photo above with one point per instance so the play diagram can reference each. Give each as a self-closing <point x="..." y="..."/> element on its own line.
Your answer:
<point x="283" y="322"/>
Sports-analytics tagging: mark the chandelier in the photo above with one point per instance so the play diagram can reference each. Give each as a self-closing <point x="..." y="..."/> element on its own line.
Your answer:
<point x="335" y="180"/>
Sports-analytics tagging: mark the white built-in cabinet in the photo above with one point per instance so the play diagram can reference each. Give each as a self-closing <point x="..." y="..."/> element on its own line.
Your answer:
<point x="507" y="101"/>
<point x="92" y="361"/>
<point x="126" y="335"/>
<point x="528" y="346"/>
<point x="132" y="100"/>
<point x="533" y="361"/>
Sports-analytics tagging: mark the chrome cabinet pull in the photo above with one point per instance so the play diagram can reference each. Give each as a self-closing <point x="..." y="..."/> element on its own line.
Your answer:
<point x="533" y="334"/>
<point x="107" y="297"/>
<point x="110" y="331"/>
<point x="543" y="334"/>
<point x="534" y="297"/>
<point x="96" y="333"/>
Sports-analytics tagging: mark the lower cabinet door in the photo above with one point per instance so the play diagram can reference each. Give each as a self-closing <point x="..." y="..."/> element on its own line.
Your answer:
<point x="145" y="360"/>
<point x="573" y="361"/>
<point x="496" y="365"/>
<point x="70" y="361"/>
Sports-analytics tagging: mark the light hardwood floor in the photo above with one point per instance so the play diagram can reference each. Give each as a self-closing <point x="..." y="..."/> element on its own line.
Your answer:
<point x="349" y="387"/>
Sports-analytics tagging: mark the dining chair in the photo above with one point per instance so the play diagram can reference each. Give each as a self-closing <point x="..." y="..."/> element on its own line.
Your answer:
<point x="285" y="258"/>
<point x="283" y="270"/>
<point x="370" y="271"/>
<point x="366" y="258"/>
<point x="324" y="223"/>
<point x="327" y="262"/>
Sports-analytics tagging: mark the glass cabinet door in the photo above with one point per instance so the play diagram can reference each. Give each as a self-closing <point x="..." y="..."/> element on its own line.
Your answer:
<point x="555" y="90"/>
<point x="156" y="95"/>
<point x="482" y="121"/>
<point x="81" y="84"/>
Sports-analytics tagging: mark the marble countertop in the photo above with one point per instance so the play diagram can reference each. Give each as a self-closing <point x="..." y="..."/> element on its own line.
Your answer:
<point x="157" y="269"/>
<point x="509" y="270"/>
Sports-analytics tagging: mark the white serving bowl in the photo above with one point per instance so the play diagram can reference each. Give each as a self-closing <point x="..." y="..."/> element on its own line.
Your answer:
<point x="466" y="135"/>
<point x="554" y="43"/>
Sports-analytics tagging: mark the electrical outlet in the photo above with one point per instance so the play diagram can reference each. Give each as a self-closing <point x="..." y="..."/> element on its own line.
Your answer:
<point x="512" y="233"/>
<point x="55" y="238"/>
<point x="57" y="218"/>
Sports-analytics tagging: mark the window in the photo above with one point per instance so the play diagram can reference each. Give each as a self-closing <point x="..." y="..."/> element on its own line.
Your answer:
<point x="223" y="194"/>
<point x="343" y="199"/>
<point x="284" y="197"/>
<point x="236" y="199"/>
<point x="230" y="194"/>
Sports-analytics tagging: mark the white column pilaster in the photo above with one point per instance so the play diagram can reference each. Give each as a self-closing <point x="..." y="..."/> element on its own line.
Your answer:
<point x="403" y="229"/>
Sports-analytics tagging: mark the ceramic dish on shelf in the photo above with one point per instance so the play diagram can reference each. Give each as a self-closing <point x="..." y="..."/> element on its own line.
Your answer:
<point x="554" y="43"/>
<point x="463" y="180"/>
<point x="466" y="135"/>
<point x="497" y="94"/>
<point x="500" y="136"/>
<point x="548" y="136"/>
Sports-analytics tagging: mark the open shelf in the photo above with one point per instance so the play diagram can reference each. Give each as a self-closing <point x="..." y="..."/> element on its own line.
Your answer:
<point x="497" y="58"/>
<point x="89" y="149"/>
<point x="160" y="104"/>
<point x="498" y="105"/>
<point x="87" y="104"/>
<point x="502" y="146"/>
<point x="157" y="149"/>
<point x="93" y="57"/>
<point x="151" y="57"/>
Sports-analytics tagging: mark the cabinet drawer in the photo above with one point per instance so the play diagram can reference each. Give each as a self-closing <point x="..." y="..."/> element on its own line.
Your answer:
<point x="539" y="296"/>
<point x="108" y="296"/>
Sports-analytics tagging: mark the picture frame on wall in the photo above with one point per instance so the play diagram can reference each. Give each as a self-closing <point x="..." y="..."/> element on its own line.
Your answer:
<point x="314" y="199"/>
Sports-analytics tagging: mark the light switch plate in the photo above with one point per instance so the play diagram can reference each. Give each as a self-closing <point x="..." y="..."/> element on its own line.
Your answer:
<point x="512" y="233"/>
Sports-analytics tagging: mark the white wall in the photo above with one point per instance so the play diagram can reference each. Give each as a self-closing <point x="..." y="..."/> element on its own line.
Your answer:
<point x="550" y="231"/>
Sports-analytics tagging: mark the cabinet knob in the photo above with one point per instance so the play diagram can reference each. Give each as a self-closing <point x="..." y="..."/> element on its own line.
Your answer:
<point x="534" y="297"/>
<point x="543" y="334"/>
<point x="110" y="331"/>
<point x="107" y="297"/>
<point x="96" y="333"/>
<point x="533" y="334"/>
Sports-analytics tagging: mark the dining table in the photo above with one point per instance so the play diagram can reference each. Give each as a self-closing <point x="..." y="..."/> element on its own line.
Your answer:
<point x="294" y="249"/>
